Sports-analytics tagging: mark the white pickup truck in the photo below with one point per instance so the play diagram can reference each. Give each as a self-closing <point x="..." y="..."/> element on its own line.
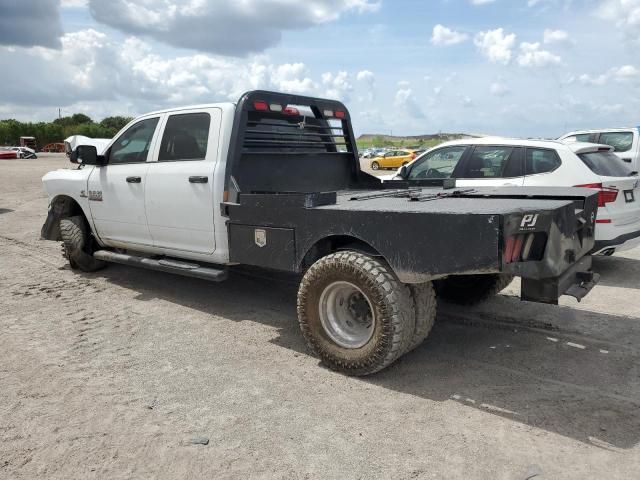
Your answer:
<point x="274" y="182"/>
<point x="625" y="141"/>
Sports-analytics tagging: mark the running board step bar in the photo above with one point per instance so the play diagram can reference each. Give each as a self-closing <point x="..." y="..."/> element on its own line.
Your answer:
<point x="164" y="265"/>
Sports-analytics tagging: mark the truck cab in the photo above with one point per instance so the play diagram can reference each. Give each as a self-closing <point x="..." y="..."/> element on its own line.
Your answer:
<point x="158" y="184"/>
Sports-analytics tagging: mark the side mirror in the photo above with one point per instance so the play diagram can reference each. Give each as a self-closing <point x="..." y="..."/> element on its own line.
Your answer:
<point x="87" y="155"/>
<point x="403" y="172"/>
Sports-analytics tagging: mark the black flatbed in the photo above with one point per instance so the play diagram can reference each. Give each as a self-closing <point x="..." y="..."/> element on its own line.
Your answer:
<point x="296" y="193"/>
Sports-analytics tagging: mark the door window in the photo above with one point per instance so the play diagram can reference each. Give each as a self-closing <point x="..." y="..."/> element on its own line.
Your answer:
<point x="185" y="137"/>
<point x="133" y="145"/>
<point x="621" y="141"/>
<point x="541" y="160"/>
<point x="437" y="164"/>
<point x="492" y="162"/>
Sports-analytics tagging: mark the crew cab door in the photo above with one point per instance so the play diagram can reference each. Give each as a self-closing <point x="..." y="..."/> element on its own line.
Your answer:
<point x="116" y="190"/>
<point x="179" y="195"/>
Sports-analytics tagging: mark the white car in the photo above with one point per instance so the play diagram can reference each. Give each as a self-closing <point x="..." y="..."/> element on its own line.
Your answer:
<point x="511" y="162"/>
<point x="625" y="141"/>
<point x="24" y="152"/>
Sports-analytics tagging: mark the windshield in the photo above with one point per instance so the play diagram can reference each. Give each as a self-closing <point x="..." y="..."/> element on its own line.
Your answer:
<point x="606" y="164"/>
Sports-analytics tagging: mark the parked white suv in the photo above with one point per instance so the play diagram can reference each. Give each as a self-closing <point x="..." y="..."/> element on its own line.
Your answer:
<point x="510" y="162"/>
<point x="625" y="141"/>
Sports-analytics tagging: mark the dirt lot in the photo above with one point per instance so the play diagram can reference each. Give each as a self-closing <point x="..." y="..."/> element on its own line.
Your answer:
<point x="114" y="374"/>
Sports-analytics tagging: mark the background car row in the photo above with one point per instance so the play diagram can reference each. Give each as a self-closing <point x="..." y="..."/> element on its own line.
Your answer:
<point x="17" y="152"/>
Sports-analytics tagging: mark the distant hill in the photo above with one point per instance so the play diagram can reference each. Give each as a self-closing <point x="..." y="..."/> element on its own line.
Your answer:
<point x="379" y="140"/>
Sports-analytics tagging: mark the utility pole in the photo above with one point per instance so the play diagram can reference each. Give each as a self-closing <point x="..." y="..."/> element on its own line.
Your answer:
<point x="59" y="113"/>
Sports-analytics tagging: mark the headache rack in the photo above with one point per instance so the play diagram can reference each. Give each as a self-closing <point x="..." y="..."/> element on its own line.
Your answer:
<point x="291" y="143"/>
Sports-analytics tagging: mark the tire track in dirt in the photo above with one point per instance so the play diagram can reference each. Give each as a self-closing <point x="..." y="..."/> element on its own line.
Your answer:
<point x="76" y="343"/>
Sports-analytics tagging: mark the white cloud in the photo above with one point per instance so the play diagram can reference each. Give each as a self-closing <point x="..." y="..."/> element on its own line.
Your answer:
<point x="597" y="80"/>
<point x="73" y="3"/>
<point x="531" y="56"/>
<point x="92" y="69"/>
<point x="626" y="73"/>
<point x="366" y="76"/>
<point x="368" y="80"/>
<point x="555" y="36"/>
<point x="406" y="102"/>
<point x="337" y="86"/>
<point x="222" y="26"/>
<point x="445" y="36"/>
<point x="499" y="89"/>
<point x="495" y="45"/>
<point x="625" y="14"/>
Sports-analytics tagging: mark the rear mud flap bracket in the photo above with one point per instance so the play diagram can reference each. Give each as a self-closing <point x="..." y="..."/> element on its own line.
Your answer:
<point x="576" y="282"/>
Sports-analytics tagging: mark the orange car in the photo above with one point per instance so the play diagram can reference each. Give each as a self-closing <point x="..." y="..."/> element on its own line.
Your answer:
<point x="393" y="159"/>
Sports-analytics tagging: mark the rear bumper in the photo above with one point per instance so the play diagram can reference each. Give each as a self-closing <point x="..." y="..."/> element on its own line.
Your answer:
<point x="577" y="282"/>
<point x="622" y="242"/>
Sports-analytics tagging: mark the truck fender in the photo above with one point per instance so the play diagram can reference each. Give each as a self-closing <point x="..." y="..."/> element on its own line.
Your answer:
<point x="62" y="206"/>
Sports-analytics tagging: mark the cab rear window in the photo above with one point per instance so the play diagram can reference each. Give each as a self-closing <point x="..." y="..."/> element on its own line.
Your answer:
<point x="621" y="141"/>
<point x="606" y="164"/>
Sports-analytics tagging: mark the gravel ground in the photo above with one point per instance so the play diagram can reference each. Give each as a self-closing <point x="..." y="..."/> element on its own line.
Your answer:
<point x="127" y="373"/>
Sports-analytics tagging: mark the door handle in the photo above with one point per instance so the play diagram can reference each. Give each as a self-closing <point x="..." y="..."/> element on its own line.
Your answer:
<point x="198" y="179"/>
<point x="628" y="160"/>
<point x="134" y="180"/>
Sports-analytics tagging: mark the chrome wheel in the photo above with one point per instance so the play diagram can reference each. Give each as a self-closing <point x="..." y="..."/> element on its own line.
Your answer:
<point x="346" y="315"/>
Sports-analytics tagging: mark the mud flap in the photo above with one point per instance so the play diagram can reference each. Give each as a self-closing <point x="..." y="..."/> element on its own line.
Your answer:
<point x="576" y="282"/>
<point x="51" y="228"/>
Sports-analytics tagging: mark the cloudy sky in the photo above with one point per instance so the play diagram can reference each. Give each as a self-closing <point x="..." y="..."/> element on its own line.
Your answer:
<point x="506" y="67"/>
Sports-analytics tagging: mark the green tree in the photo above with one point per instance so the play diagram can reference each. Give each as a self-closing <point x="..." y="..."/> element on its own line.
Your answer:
<point x="79" y="118"/>
<point x="115" y="124"/>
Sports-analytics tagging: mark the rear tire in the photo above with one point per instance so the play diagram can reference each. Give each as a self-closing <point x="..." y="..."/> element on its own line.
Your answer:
<point x="76" y="245"/>
<point x="425" y="304"/>
<point x="471" y="289"/>
<point x="375" y="166"/>
<point x="367" y="338"/>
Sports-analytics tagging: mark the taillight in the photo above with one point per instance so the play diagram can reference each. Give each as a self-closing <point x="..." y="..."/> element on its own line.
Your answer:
<point x="524" y="247"/>
<point x="340" y="114"/>
<point x="605" y="194"/>
<point x="260" y="105"/>
<point x="291" y="111"/>
<point x="513" y="248"/>
<point x="413" y="155"/>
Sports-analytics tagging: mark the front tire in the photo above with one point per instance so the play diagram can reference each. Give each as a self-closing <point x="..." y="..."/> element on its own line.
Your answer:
<point x="375" y="166"/>
<point x="471" y="289"/>
<point x="76" y="245"/>
<point x="354" y="313"/>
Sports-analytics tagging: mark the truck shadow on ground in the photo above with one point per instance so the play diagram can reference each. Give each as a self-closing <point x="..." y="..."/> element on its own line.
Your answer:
<point x="618" y="271"/>
<point x="585" y="386"/>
